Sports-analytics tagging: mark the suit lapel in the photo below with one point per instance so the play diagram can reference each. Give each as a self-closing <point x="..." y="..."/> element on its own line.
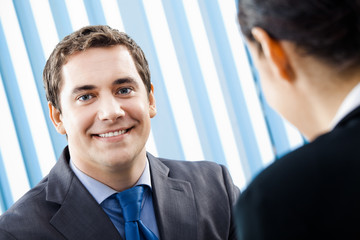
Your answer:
<point x="173" y="202"/>
<point x="79" y="216"/>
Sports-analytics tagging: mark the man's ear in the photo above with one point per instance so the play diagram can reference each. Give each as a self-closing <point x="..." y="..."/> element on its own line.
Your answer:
<point x="152" y="103"/>
<point x="55" y="117"/>
<point x="274" y="53"/>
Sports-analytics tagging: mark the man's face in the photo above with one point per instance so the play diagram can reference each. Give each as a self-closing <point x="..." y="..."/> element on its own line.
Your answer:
<point x="105" y="110"/>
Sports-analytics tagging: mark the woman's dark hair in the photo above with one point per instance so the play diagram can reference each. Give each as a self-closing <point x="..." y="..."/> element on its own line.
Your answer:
<point x="327" y="29"/>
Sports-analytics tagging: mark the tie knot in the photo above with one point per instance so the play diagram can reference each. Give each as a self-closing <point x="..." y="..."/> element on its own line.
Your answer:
<point x="130" y="202"/>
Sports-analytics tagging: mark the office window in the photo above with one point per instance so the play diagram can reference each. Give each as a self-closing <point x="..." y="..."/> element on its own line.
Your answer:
<point x="208" y="96"/>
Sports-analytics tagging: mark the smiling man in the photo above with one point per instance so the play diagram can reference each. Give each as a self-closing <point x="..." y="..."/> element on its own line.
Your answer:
<point x="105" y="184"/>
<point x="105" y="112"/>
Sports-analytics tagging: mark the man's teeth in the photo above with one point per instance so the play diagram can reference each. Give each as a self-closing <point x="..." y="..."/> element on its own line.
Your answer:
<point x="112" y="134"/>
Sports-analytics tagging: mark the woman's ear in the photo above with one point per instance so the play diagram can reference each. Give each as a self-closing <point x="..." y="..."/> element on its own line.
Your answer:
<point x="55" y="116"/>
<point x="274" y="54"/>
<point x="152" y="102"/>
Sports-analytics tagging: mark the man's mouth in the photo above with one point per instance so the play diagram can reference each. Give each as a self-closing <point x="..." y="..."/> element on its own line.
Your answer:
<point x="113" y="134"/>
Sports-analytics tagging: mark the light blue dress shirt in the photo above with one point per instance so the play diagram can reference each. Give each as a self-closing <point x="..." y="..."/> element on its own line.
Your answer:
<point x="101" y="192"/>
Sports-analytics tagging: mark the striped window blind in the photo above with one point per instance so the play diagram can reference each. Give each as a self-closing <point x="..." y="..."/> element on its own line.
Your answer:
<point x="209" y="100"/>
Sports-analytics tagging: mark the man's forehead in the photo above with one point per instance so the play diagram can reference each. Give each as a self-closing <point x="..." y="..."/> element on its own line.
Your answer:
<point x="122" y="69"/>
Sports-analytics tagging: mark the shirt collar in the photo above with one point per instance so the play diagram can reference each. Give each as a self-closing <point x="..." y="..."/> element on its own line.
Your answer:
<point x="101" y="191"/>
<point x="351" y="102"/>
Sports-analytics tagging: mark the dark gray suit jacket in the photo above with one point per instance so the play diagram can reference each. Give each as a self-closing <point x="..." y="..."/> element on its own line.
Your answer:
<point x="311" y="193"/>
<point x="192" y="200"/>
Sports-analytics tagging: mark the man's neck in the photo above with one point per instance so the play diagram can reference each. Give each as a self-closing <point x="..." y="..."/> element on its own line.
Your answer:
<point x="116" y="177"/>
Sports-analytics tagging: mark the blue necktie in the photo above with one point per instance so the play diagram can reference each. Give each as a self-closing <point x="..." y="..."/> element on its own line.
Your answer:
<point x="130" y="201"/>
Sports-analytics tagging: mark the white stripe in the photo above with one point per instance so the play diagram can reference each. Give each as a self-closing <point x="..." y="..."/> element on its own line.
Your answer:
<point x="213" y="88"/>
<point x="228" y="11"/>
<point x="294" y="137"/>
<point x="151" y="145"/>
<point x="45" y="25"/>
<point x="10" y="149"/>
<point x="112" y="14"/>
<point x="29" y="94"/>
<point x="77" y="14"/>
<point x="173" y="80"/>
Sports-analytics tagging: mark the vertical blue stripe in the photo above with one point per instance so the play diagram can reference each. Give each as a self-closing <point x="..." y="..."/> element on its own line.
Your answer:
<point x="194" y="81"/>
<point x="95" y="12"/>
<point x="18" y="112"/>
<point x="6" y="199"/>
<point x="37" y="61"/>
<point x="164" y="128"/>
<point x="61" y="18"/>
<point x="3" y="207"/>
<point x="242" y="126"/>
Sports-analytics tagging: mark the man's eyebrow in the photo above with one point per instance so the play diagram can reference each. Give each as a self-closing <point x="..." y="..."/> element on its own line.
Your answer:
<point x="116" y="82"/>
<point x="125" y="80"/>
<point x="82" y="88"/>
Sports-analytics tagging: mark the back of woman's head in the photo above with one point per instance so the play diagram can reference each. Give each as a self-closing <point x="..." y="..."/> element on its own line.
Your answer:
<point x="327" y="29"/>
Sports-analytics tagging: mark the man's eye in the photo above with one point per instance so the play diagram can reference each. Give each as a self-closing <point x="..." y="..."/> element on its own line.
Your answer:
<point x="85" y="97"/>
<point x="124" y="91"/>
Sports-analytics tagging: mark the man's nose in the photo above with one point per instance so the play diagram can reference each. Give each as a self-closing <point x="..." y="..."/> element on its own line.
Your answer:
<point x="110" y="109"/>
